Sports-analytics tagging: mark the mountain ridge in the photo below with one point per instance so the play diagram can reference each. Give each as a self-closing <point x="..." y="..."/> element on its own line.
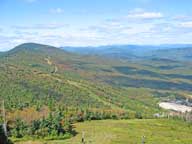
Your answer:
<point x="137" y="51"/>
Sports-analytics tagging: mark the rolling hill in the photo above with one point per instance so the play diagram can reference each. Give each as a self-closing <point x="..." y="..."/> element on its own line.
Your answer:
<point x="155" y="67"/>
<point x="46" y="89"/>
<point x="38" y="72"/>
<point x="34" y="74"/>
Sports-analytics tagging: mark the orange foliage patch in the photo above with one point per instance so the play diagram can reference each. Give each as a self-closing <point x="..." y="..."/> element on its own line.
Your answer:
<point x="28" y="114"/>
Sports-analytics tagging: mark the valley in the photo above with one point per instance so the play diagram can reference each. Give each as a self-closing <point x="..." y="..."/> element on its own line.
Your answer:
<point x="43" y="86"/>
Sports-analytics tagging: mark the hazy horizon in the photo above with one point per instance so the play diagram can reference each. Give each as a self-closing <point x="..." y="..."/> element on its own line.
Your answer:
<point x="97" y="46"/>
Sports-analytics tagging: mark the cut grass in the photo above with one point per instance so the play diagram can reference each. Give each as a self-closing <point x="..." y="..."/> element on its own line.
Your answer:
<point x="156" y="131"/>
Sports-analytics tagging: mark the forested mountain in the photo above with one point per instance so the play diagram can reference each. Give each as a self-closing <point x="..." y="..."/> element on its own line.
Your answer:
<point x="43" y="85"/>
<point x="40" y="72"/>
<point x="39" y="75"/>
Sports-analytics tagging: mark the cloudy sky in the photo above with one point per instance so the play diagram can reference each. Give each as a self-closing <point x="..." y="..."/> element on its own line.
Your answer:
<point x="94" y="22"/>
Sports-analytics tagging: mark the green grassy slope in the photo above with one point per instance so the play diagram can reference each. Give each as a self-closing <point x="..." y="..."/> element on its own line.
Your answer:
<point x="129" y="132"/>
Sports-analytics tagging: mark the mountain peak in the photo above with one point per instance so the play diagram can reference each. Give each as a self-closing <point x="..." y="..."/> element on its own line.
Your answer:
<point x="34" y="46"/>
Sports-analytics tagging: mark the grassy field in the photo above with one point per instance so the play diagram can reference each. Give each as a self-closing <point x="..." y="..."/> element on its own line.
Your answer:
<point x="129" y="132"/>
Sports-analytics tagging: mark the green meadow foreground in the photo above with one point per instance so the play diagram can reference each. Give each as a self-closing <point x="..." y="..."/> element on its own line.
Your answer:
<point x="156" y="131"/>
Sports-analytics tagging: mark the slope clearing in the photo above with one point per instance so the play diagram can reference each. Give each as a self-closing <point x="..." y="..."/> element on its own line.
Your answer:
<point x="157" y="131"/>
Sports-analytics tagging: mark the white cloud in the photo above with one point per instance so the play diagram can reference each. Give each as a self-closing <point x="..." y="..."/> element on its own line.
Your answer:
<point x="186" y="24"/>
<point x="182" y="18"/>
<point x="41" y="26"/>
<point x="56" y="10"/>
<point x="139" y="14"/>
<point x="138" y="27"/>
<point x="144" y="15"/>
<point x="138" y="21"/>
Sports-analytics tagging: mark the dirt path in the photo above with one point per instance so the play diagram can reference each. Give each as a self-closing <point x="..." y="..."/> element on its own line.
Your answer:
<point x="49" y="62"/>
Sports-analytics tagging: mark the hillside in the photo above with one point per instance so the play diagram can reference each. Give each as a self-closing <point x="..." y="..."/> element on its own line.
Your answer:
<point x="34" y="74"/>
<point x="155" y="67"/>
<point x="47" y="89"/>
<point x="37" y="72"/>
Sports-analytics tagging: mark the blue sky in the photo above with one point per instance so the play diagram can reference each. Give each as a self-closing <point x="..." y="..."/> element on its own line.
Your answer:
<point x="94" y="22"/>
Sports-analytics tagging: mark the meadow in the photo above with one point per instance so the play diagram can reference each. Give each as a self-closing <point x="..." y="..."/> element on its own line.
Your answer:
<point x="156" y="131"/>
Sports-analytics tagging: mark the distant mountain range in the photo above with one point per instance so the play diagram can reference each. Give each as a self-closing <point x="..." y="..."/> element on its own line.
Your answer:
<point x="168" y="51"/>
